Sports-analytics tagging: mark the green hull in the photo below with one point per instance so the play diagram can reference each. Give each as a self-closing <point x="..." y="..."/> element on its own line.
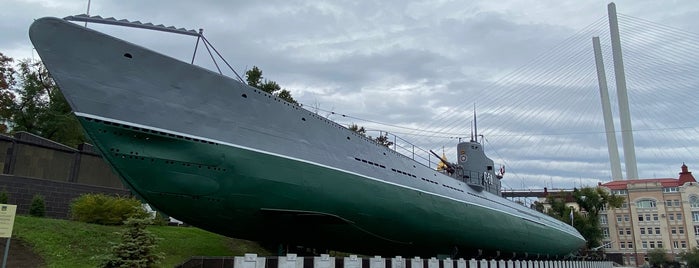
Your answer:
<point x="247" y="194"/>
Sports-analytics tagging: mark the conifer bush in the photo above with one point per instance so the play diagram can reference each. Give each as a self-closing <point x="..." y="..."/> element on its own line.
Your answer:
<point x="137" y="247"/>
<point x="105" y="209"/>
<point x="37" y="207"/>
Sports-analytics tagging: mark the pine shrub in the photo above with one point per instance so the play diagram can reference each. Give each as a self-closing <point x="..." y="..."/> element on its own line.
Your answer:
<point x="137" y="247"/>
<point x="37" y="207"/>
<point x="105" y="209"/>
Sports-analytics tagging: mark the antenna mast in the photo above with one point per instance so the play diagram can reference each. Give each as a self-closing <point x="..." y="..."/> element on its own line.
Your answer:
<point x="475" y="122"/>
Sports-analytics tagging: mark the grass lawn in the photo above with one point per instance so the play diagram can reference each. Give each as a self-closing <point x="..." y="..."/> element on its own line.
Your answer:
<point x="74" y="244"/>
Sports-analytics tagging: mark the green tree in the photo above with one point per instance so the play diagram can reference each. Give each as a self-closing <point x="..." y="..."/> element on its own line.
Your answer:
<point x="383" y="139"/>
<point x="137" y="247"/>
<point x="358" y="129"/>
<point x="658" y="258"/>
<point x="31" y="101"/>
<point x="691" y="257"/>
<point x="37" y="208"/>
<point x="7" y="96"/>
<point x="254" y="79"/>
<point x="586" y="221"/>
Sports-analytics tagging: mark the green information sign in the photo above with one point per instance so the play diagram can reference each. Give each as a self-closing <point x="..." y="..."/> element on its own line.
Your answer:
<point x="7" y="219"/>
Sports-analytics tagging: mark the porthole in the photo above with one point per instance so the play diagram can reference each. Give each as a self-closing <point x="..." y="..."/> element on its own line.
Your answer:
<point x="244" y="95"/>
<point x="303" y="119"/>
<point x="128" y="55"/>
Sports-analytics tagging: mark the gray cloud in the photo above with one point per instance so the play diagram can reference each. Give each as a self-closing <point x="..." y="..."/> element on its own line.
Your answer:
<point x="423" y="64"/>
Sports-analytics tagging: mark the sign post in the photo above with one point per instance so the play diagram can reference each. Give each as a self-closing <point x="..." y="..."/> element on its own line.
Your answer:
<point x="7" y="221"/>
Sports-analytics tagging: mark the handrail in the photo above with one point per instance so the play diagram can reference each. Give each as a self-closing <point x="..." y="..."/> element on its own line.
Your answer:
<point x="134" y="24"/>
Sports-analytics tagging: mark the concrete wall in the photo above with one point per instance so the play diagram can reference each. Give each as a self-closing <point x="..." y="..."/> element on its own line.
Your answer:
<point x="32" y="165"/>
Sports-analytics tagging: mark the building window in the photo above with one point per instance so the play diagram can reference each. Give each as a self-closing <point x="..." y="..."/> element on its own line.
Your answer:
<point x="626" y="217"/>
<point x="671" y="189"/>
<point x="676" y="244"/>
<point x="647" y="217"/>
<point x="605" y="232"/>
<point x="679" y="216"/>
<point x="622" y="245"/>
<point x="676" y="202"/>
<point x="618" y="217"/>
<point x="668" y="203"/>
<point x="651" y="244"/>
<point x="660" y="244"/>
<point x="683" y="244"/>
<point x="673" y="230"/>
<point x="680" y="230"/>
<point x="607" y="244"/>
<point x="657" y="230"/>
<point x="645" y="203"/>
<point x="695" y="216"/>
<point x="694" y="201"/>
<point x="671" y="216"/>
<point x="629" y="244"/>
<point x="621" y="231"/>
<point x="644" y="244"/>
<point x="640" y="217"/>
<point x="643" y="230"/>
<point x="655" y="217"/>
<point x="603" y="219"/>
<point x="619" y="192"/>
<point x="628" y="231"/>
<point x="696" y="230"/>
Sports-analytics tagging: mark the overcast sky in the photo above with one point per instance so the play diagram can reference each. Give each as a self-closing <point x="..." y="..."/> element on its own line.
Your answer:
<point x="412" y="64"/>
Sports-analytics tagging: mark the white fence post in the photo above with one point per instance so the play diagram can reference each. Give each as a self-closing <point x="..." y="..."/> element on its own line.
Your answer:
<point x="484" y="263"/>
<point x="461" y="263"/>
<point x="352" y="262"/>
<point x="448" y="263"/>
<point x="398" y="262"/>
<point x="472" y="263"/>
<point x="433" y="263"/>
<point x="493" y="263"/>
<point x="249" y="261"/>
<point x="324" y="261"/>
<point x="518" y="264"/>
<point x="377" y="262"/>
<point x="290" y="261"/>
<point x="416" y="262"/>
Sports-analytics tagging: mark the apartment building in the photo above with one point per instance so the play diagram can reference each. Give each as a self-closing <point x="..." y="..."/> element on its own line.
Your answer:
<point x="657" y="213"/>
